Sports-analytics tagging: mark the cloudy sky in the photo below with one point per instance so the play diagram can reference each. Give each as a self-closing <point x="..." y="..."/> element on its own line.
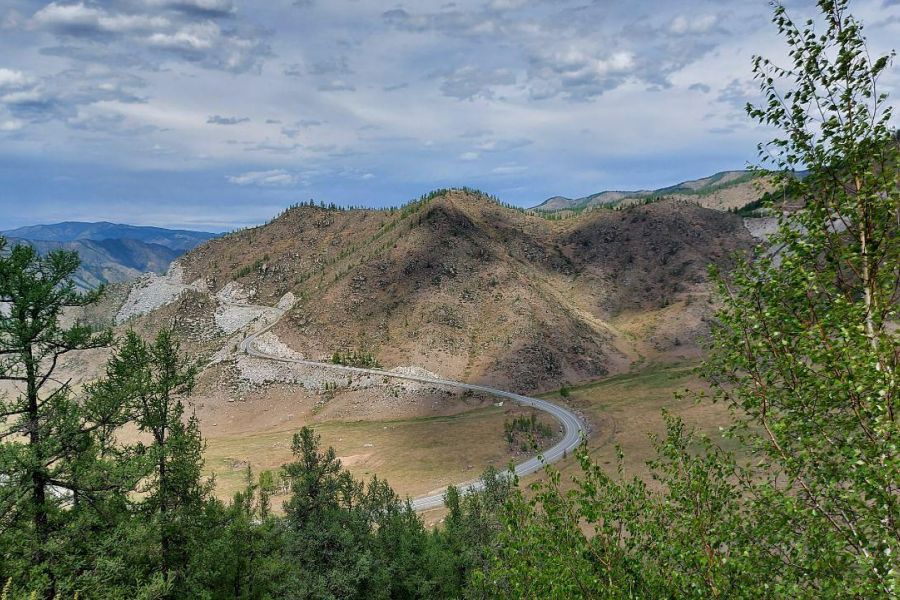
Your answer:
<point x="215" y="114"/>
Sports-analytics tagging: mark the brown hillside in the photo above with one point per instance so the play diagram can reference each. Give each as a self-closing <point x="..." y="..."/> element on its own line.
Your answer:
<point x="469" y="289"/>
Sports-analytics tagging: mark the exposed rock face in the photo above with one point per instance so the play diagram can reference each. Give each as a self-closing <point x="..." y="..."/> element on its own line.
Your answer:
<point x="153" y="291"/>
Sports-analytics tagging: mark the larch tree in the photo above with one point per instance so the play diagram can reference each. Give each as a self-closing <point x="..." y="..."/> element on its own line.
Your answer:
<point x="48" y="442"/>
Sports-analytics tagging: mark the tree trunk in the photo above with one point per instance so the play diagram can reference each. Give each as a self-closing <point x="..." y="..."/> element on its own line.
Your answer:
<point x="40" y="518"/>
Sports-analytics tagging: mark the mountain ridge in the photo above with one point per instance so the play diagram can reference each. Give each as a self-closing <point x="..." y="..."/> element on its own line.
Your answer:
<point x="474" y="290"/>
<point x="723" y="190"/>
<point x="110" y="252"/>
<point x="70" y="231"/>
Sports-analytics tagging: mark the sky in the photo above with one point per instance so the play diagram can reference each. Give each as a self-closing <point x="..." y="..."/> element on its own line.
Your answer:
<point x="217" y="114"/>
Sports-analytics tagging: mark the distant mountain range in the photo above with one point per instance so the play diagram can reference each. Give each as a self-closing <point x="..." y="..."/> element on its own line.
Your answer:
<point x="70" y="231"/>
<point x="722" y="191"/>
<point x="110" y="252"/>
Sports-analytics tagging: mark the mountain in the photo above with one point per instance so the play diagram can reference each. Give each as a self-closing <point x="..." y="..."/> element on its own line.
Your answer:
<point x="110" y="252"/>
<point x="460" y="285"/>
<point x="110" y="261"/>
<point x="176" y="239"/>
<point x="722" y="191"/>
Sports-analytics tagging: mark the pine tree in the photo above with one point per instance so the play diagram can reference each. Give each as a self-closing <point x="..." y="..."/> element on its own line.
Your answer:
<point x="48" y="443"/>
<point x="157" y="378"/>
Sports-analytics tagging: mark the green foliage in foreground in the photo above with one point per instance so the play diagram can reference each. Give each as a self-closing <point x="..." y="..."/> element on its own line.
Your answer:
<point x="805" y="349"/>
<point x="84" y="514"/>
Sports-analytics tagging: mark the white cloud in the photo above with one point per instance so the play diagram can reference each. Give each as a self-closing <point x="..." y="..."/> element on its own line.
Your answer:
<point x="271" y="178"/>
<point x="72" y="17"/>
<point x="11" y="125"/>
<point x="10" y="79"/>
<point x="682" y="25"/>
<point x="17" y="88"/>
<point x="511" y="169"/>
<point x="182" y="28"/>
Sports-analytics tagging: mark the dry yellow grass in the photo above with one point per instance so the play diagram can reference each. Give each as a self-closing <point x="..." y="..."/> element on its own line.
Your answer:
<point x="625" y="410"/>
<point x="415" y="455"/>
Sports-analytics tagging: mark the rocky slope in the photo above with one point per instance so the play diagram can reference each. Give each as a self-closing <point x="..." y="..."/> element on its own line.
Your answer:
<point x="461" y="286"/>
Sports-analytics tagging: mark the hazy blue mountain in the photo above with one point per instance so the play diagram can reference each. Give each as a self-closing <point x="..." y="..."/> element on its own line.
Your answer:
<point x="110" y="261"/>
<point x="70" y="231"/>
<point x="110" y="252"/>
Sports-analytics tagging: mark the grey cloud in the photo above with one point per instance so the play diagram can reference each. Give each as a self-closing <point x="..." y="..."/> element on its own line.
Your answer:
<point x="475" y="133"/>
<point x="738" y="93"/>
<point x="294" y="70"/>
<point x="337" y="86"/>
<point x="270" y="147"/>
<point x="454" y="22"/>
<point x="572" y="50"/>
<point x="101" y="54"/>
<point x="153" y="33"/>
<point x="294" y="130"/>
<point x="34" y="100"/>
<point x="332" y="66"/>
<point x="468" y="83"/>
<point x="25" y="98"/>
<point x="220" y="120"/>
<point x="700" y="87"/>
<point x="12" y="19"/>
<point x="113" y="124"/>
<point x="203" y="8"/>
<point x="80" y="20"/>
<point x="322" y="148"/>
<point x="578" y="74"/>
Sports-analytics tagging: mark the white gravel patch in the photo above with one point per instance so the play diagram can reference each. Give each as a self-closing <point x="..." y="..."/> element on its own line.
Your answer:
<point x="235" y="312"/>
<point x="287" y="302"/>
<point x="268" y="343"/>
<point x="415" y="372"/>
<point x="154" y="291"/>
<point x="256" y="372"/>
<point x="761" y="227"/>
<point x="234" y="293"/>
<point x="231" y="318"/>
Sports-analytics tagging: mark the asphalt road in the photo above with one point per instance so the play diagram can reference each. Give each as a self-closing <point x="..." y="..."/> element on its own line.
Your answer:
<point x="573" y="427"/>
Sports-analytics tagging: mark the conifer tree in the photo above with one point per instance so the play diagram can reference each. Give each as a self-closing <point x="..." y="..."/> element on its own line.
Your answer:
<point x="48" y="442"/>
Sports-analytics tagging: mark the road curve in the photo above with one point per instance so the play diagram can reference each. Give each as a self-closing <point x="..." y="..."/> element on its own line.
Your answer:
<point x="573" y="427"/>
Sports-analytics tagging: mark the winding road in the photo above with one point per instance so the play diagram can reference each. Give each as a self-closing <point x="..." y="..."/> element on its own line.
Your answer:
<point x="574" y="427"/>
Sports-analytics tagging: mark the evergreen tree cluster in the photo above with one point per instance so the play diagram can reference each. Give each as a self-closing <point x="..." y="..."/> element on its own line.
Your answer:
<point x="85" y="514"/>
